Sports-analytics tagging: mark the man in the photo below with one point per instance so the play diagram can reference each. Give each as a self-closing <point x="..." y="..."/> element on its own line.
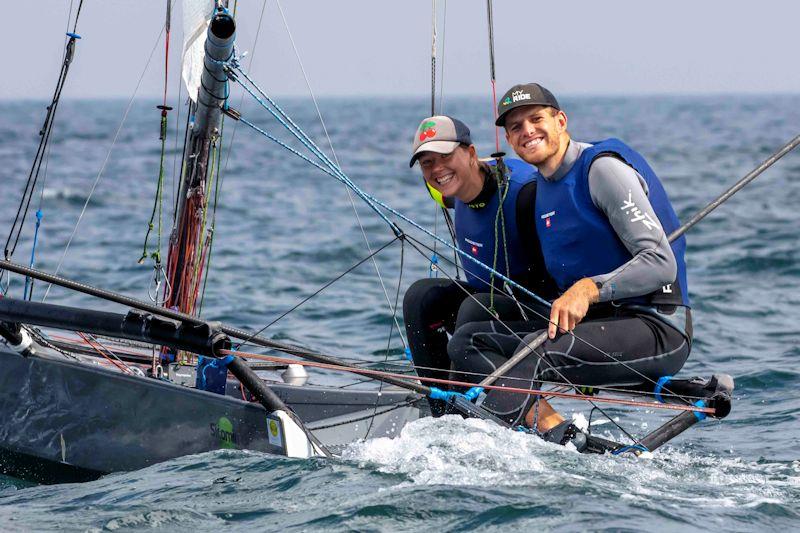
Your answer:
<point x="603" y="218"/>
<point x="494" y="224"/>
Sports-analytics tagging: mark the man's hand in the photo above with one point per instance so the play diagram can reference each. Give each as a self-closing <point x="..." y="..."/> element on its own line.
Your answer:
<point x="570" y="308"/>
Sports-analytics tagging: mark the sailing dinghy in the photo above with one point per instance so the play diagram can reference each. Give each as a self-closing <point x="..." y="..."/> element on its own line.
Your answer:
<point x="121" y="391"/>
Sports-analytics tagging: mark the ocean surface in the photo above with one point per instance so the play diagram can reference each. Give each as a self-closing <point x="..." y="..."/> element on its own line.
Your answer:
<point x="283" y="229"/>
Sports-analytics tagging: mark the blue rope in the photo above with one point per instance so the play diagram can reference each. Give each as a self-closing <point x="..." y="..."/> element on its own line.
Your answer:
<point x="335" y="171"/>
<point x="39" y="216"/>
<point x="283" y="118"/>
<point x="660" y="384"/>
<point x="700" y="416"/>
<point x="630" y="448"/>
<point x="408" y="354"/>
<point x="327" y="171"/>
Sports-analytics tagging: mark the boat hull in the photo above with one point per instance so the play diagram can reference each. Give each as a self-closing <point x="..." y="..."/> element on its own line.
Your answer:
<point x="65" y="420"/>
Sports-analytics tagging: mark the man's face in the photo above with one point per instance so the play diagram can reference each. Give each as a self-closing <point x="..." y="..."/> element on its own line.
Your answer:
<point x="535" y="133"/>
<point x="450" y="174"/>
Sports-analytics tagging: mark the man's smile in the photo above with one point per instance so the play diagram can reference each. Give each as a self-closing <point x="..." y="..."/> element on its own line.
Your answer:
<point x="533" y="143"/>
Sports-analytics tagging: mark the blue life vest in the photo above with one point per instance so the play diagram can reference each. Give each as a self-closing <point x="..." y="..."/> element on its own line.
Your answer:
<point x="578" y="240"/>
<point x="475" y="230"/>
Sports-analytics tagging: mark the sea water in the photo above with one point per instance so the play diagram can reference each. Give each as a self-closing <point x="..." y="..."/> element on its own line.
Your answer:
<point x="284" y="229"/>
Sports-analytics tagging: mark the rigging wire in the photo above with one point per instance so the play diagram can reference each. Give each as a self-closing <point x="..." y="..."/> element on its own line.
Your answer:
<point x="105" y="352"/>
<point x="41" y="152"/>
<point x="336" y="160"/>
<point x="249" y="66"/>
<point x="105" y="162"/>
<point x="158" y="269"/>
<point x="442" y="208"/>
<point x="515" y="334"/>
<point x="514" y="390"/>
<point x="490" y="21"/>
<point x="373" y="202"/>
<point x="42" y="155"/>
<point x="441" y="62"/>
<point x="336" y="172"/>
<point x="339" y="175"/>
<point x="389" y="340"/>
<point x="644" y="377"/>
<point x="317" y="292"/>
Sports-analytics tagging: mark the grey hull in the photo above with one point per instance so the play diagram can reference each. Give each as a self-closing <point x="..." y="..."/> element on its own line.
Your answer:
<point x="65" y="420"/>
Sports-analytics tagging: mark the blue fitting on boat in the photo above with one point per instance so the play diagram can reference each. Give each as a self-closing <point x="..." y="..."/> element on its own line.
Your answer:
<point x="73" y="35"/>
<point x="408" y="354"/>
<point x="700" y="416"/>
<point x="662" y="381"/>
<point x="212" y="373"/>
<point x="434" y="262"/>
<point x="39" y="216"/>
<point x="447" y="396"/>
<point x="473" y="393"/>
<point x="438" y="394"/>
<point x="630" y="448"/>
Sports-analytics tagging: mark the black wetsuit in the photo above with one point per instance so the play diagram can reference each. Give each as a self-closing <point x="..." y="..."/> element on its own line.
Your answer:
<point x="431" y="306"/>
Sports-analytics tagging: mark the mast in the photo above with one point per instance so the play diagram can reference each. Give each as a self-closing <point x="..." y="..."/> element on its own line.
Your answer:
<point x="190" y="240"/>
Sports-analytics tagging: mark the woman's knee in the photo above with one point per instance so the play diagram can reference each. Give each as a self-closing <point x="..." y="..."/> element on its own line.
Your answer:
<point x="461" y="343"/>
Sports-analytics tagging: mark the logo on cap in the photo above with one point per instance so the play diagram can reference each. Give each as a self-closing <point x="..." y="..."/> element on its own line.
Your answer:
<point x="516" y="96"/>
<point x="427" y="130"/>
<point x="507" y="101"/>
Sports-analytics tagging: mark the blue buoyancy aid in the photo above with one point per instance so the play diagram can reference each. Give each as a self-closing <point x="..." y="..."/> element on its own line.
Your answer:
<point x="577" y="239"/>
<point x="478" y="230"/>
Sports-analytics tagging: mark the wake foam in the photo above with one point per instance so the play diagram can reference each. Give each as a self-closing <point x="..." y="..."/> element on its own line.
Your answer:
<point x="454" y="451"/>
<point x="469" y="452"/>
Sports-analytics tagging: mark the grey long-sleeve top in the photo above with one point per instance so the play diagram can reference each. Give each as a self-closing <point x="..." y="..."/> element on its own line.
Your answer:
<point x="621" y="193"/>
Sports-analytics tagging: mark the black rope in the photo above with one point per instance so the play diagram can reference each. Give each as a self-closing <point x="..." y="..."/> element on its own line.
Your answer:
<point x="318" y="291"/>
<point x="77" y="15"/>
<point x="47" y="128"/>
<point x="392" y="323"/>
<point x="372" y="416"/>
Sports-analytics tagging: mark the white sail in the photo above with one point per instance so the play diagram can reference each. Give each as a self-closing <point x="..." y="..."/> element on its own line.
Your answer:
<point x="196" y="14"/>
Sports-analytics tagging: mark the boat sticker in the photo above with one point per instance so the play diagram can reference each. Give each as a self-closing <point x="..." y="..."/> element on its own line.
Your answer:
<point x="223" y="430"/>
<point x="274" y="432"/>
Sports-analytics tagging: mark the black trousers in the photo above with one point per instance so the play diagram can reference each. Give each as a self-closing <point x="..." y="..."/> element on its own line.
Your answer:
<point x="434" y="308"/>
<point x="611" y="346"/>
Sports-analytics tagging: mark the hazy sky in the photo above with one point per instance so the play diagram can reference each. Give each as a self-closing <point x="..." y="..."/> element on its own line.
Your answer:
<point x="358" y="47"/>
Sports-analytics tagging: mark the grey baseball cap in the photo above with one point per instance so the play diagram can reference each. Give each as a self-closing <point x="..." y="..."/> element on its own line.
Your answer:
<point x="440" y="134"/>
<point x="524" y="94"/>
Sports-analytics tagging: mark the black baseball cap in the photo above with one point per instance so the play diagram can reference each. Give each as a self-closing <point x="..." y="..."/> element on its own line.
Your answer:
<point x="524" y="94"/>
<point x="440" y="134"/>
